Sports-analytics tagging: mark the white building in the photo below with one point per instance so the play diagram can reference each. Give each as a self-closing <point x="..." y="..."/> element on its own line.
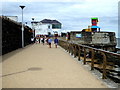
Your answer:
<point x="46" y="27"/>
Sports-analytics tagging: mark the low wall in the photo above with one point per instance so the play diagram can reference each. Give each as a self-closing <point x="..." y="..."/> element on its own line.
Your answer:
<point x="12" y="35"/>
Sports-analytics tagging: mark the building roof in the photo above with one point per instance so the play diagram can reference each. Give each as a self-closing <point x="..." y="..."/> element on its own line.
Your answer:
<point x="75" y="31"/>
<point x="48" y="21"/>
<point x="35" y="22"/>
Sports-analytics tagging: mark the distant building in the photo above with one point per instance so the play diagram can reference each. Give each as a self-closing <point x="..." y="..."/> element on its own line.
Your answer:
<point x="93" y="37"/>
<point x="101" y="40"/>
<point x="46" y="27"/>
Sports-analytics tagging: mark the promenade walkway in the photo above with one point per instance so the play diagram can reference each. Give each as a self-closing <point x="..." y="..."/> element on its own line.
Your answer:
<point x="37" y="66"/>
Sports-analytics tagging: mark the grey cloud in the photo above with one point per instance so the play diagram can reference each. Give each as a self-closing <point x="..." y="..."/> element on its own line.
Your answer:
<point x="72" y="19"/>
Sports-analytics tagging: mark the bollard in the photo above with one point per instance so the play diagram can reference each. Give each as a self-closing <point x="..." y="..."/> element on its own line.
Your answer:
<point x="104" y="65"/>
<point x="84" y="55"/>
<point x="79" y="51"/>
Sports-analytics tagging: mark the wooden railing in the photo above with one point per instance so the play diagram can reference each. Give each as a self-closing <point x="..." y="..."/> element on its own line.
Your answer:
<point x="81" y="51"/>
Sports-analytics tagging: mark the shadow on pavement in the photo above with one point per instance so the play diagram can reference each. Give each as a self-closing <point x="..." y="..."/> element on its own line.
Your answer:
<point x="12" y="53"/>
<point x="29" y="69"/>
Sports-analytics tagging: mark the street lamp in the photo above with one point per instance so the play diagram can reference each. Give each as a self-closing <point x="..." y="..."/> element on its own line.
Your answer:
<point x="33" y="28"/>
<point x="33" y="19"/>
<point x="22" y="7"/>
<point x="26" y="23"/>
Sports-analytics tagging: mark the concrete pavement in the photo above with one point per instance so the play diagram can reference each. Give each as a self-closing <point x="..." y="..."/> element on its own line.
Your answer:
<point x="37" y="66"/>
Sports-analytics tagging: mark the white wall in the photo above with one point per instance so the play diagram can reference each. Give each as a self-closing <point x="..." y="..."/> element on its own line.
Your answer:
<point x="36" y="27"/>
<point x="43" y="29"/>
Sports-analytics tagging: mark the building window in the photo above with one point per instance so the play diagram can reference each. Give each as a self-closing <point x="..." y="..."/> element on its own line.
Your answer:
<point x="56" y="26"/>
<point x="48" y="26"/>
<point x="49" y="33"/>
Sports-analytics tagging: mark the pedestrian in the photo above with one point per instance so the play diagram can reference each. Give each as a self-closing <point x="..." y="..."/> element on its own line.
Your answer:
<point x="32" y="40"/>
<point x="46" y="40"/>
<point x="43" y="40"/>
<point x="56" y="42"/>
<point x="39" y="39"/>
<point x="49" y="42"/>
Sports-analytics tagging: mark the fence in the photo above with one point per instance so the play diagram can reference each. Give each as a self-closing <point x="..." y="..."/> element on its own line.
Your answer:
<point x="97" y="58"/>
<point x="12" y="35"/>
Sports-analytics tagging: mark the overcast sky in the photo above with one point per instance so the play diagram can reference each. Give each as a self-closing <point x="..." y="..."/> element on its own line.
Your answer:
<point x="73" y="14"/>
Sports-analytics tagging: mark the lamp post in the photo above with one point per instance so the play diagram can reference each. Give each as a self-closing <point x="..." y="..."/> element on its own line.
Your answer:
<point x="22" y="7"/>
<point x="33" y="28"/>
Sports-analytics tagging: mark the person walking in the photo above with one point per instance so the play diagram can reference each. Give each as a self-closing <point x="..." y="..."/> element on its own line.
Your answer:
<point x="46" y="40"/>
<point x="49" y="42"/>
<point x="56" y="42"/>
<point x="39" y="39"/>
<point x="43" y="40"/>
<point x="32" y="40"/>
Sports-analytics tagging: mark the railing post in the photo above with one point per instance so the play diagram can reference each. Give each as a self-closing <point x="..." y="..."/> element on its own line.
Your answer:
<point x="79" y="51"/>
<point x="84" y="55"/>
<point x="69" y="47"/>
<point x="75" y="51"/>
<point x="72" y="50"/>
<point x="62" y="44"/>
<point x="65" y="45"/>
<point x="92" y="59"/>
<point x="104" y="65"/>
<point x="59" y="43"/>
